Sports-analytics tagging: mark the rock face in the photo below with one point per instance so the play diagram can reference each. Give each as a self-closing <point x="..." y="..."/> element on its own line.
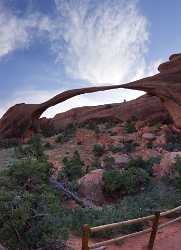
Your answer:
<point x="138" y="108"/>
<point x="165" y="167"/>
<point x="91" y="186"/>
<point x="166" y="85"/>
<point x="164" y="90"/>
<point x="23" y="119"/>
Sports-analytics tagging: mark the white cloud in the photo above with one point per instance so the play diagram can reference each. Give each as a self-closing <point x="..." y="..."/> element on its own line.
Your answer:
<point x="18" y="32"/>
<point x="103" y="42"/>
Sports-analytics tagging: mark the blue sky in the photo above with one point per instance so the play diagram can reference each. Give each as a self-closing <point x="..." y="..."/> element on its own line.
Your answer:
<point x="48" y="46"/>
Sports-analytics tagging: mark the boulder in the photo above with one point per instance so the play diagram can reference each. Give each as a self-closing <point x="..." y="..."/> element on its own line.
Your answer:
<point x="91" y="185"/>
<point x="160" y="140"/>
<point x="121" y="159"/>
<point x="149" y="136"/>
<point x="166" y="165"/>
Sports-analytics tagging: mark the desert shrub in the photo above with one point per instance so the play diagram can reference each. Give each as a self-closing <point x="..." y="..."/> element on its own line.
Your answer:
<point x="133" y="179"/>
<point x="177" y="165"/>
<point x="173" y="142"/>
<point x="47" y="145"/>
<point x="144" y="164"/>
<point x="157" y="197"/>
<point x="9" y="143"/>
<point x="73" y="167"/>
<point x="48" y="129"/>
<point x="96" y="217"/>
<point x="112" y="133"/>
<point x="60" y="138"/>
<point x="98" y="150"/>
<point x="31" y="216"/>
<point x="129" y="181"/>
<point x="111" y="123"/>
<point x="29" y="174"/>
<point x="34" y="149"/>
<point x="109" y="162"/>
<point x="150" y="145"/>
<point x="129" y="127"/>
<point x="92" y="125"/>
<point x="112" y="181"/>
<point x="175" y="177"/>
<point x="95" y="165"/>
<point x="127" y="147"/>
<point x="66" y="134"/>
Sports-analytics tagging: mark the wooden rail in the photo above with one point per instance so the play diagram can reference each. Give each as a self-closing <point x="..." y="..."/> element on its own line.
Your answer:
<point x="154" y="229"/>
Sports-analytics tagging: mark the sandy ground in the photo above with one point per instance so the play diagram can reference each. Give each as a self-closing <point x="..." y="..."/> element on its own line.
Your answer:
<point x="168" y="238"/>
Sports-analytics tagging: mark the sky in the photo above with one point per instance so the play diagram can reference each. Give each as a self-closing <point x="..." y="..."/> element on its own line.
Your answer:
<point x="49" y="46"/>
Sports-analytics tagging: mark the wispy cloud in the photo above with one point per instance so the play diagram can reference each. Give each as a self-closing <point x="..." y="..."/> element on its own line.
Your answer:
<point x="16" y="32"/>
<point x="101" y="41"/>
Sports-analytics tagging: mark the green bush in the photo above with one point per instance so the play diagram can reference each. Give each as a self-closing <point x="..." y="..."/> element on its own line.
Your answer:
<point x="109" y="162"/>
<point x="34" y="149"/>
<point x="129" y="181"/>
<point x="127" y="147"/>
<point x="173" y="142"/>
<point x="73" y="168"/>
<point x="95" y="165"/>
<point x="177" y="165"/>
<point x="31" y="216"/>
<point x="60" y="138"/>
<point x="48" y="129"/>
<point x="144" y="164"/>
<point x="67" y="134"/>
<point x="129" y="127"/>
<point x="112" y="181"/>
<point x="98" y="150"/>
<point x="133" y="179"/>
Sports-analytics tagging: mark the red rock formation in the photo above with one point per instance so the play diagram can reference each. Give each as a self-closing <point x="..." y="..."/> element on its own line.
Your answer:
<point x="23" y="119"/>
<point x="139" y="109"/>
<point x="166" y="85"/>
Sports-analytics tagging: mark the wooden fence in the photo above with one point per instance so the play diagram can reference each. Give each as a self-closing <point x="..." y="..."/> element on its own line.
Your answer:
<point x="155" y="218"/>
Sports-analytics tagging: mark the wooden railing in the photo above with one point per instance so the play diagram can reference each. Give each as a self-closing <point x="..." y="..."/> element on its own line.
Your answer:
<point x="155" y="218"/>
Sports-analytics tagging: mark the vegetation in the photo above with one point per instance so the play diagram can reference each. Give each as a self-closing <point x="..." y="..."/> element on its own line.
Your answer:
<point x="34" y="150"/>
<point x="127" y="147"/>
<point x="8" y="143"/>
<point x="67" y="134"/>
<point x="157" y="197"/>
<point x="98" y="150"/>
<point x="109" y="162"/>
<point x="48" y="129"/>
<point x="31" y="216"/>
<point x="92" y="126"/>
<point x="129" y="127"/>
<point x="144" y="164"/>
<point x="173" y="142"/>
<point x="73" y="168"/>
<point x="95" y="165"/>
<point x="129" y="181"/>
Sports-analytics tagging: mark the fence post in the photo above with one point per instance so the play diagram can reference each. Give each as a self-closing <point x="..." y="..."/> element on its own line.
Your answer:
<point x="154" y="230"/>
<point x="85" y="237"/>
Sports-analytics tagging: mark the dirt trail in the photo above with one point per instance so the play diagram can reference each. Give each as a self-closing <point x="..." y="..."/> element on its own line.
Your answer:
<point x="168" y="238"/>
